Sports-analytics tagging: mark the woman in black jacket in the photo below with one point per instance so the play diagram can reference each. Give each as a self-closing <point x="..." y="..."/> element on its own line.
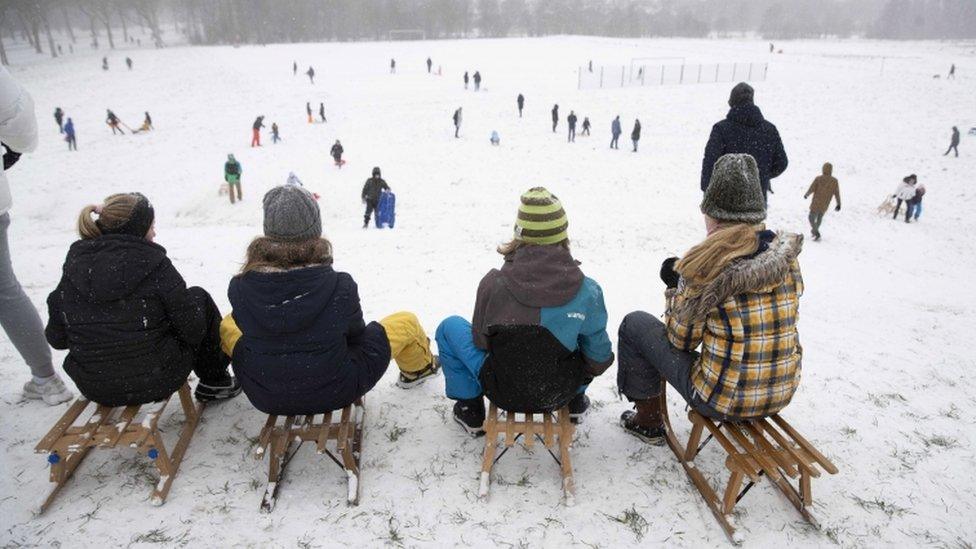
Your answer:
<point x="297" y="336"/>
<point x="132" y="328"/>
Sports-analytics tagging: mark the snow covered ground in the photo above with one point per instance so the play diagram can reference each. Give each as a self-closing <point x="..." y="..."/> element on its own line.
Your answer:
<point x="886" y="323"/>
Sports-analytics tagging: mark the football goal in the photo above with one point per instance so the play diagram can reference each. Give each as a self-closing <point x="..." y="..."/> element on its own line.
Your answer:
<point x="407" y="34"/>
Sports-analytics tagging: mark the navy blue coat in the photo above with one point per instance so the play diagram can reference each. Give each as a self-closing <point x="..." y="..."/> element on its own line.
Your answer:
<point x="304" y="348"/>
<point x="744" y="130"/>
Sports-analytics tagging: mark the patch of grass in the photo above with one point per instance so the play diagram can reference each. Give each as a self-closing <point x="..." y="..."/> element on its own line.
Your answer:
<point x="951" y="413"/>
<point x="939" y="441"/>
<point x="634" y="521"/>
<point x="393" y="536"/>
<point x="848" y="431"/>
<point x="878" y="504"/>
<point x="159" y="535"/>
<point x="394" y="434"/>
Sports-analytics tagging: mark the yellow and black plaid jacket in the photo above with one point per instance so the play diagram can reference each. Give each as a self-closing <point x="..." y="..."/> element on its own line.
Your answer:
<point x="750" y="350"/>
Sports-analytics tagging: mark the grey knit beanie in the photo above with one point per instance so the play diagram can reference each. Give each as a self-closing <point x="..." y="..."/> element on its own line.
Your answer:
<point x="291" y="213"/>
<point x="742" y="94"/>
<point x="734" y="192"/>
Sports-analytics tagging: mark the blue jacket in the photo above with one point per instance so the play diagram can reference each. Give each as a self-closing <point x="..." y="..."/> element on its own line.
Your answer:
<point x="303" y="346"/>
<point x="744" y="130"/>
<point x="69" y="129"/>
<point x="615" y="127"/>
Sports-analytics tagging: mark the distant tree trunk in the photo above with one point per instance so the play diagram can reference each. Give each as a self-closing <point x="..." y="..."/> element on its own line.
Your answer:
<point x="3" y="50"/>
<point x="30" y="29"/>
<point x="125" y="28"/>
<point x="67" y="24"/>
<point x="108" y="30"/>
<point x="94" y="31"/>
<point x="42" y="12"/>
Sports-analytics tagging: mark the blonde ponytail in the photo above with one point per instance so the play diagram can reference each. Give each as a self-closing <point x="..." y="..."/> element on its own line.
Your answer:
<point x="87" y="228"/>
<point x="705" y="261"/>
<point x="115" y="212"/>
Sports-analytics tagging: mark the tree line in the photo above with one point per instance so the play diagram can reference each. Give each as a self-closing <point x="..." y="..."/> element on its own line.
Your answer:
<point x="47" y="25"/>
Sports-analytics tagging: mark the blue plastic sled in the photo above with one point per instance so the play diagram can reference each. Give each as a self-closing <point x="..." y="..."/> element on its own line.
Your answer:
<point x="386" y="210"/>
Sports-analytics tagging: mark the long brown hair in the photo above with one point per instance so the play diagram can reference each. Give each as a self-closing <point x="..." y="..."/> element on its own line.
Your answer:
<point x="115" y="212"/>
<point x="512" y="245"/>
<point x="727" y="243"/>
<point x="269" y="254"/>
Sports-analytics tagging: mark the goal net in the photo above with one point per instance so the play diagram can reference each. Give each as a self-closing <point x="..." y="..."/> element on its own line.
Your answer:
<point x="408" y="34"/>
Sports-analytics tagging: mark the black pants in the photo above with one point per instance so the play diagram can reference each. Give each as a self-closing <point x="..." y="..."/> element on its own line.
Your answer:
<point x="645" y="356"/>
<point x="210" y="362"/>
<point x="908" y="210"/>
<point x="635" y="144"/>
<point x="613" y="142"/>
<point x="953" y="147"/>
<point x="572" y="134"/>
<point x="115" y="127"/>
<point x="72" y="144"/>
<point x="457" y="128"/>
<point x="554" y="123"/>
<point x="520" y="112"/>
<point x="370" y="208"/>
<point x="586" y="131"/>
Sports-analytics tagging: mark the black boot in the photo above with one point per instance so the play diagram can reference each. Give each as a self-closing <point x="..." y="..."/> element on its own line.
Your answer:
<point x="222" y="389"/>
<point x="470" y="415"/>
<point x="578" y="406"/>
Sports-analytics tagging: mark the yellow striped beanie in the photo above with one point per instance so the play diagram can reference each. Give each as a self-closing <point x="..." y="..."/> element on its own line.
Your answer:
<point x="541" y="219"/>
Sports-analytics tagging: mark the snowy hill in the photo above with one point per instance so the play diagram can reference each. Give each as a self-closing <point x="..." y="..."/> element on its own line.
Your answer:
<point x="886" y="321"/>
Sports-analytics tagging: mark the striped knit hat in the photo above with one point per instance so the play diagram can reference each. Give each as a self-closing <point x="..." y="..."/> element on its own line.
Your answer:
<point x="541" y="219"/>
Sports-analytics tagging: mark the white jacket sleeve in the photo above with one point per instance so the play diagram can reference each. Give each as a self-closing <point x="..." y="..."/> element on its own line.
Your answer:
<point x="18" y="124"/>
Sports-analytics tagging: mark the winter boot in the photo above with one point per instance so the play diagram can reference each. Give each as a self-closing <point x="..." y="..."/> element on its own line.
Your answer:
<point x="51" y="390"/>
<point x="577" y="407"/>
<point x="646" y="423"/>
<point x="470" y="415"/>
<point x="221" y="389"/>
<point x="411" y="380"/>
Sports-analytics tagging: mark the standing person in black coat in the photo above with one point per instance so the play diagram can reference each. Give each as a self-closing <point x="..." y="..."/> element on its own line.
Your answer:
<point x="294" y="68"/>
<point x="520" y="100"/>
<point x="128" y="62"/>
<point x="586" y="126"/>
<point x="457" y="122"/>
<point x="308" y="111"/>
<point x="635" y="133"/>
<point x="465" y="79"/>
<point x="571" y="121"/>
<point x="615" y="131"/>
<point x="555" y="117"/>
<point x="744" y="130"/>
<point x="371" y="194"/>
<point x="322" y="112"/>
<point x="429" y="65"/>
<point x="311" y="74"/>
<point x="59" y="118"/>
<point x="392" y="66"/>
<point x="477" y="80"/>
<point x="132" y="328"/>
<point x="954" y="143"/>
<point x="336" y="153"/>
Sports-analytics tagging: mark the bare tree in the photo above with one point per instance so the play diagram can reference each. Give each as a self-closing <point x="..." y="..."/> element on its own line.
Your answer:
<point x="101" y="10"/>
<point x="3" y="51"/>
<point x="67" y="23"/>
<point x="148" y="10"/>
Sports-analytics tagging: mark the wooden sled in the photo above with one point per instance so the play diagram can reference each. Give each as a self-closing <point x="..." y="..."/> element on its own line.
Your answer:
<point x="887" y="207"/>
<point x="281" y="440"/>
<point x="223" y="190"/>
<point x="67" y="445"/>
<point x="551" y="429"/>
<point x="768" y="447"/>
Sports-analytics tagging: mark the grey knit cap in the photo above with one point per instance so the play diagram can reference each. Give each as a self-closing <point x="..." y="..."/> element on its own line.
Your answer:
<point x="734" y="192"/>
<point x="291" y="213"/>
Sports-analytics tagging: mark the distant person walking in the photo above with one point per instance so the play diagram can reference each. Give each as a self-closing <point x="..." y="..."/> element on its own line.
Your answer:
<point x="392" y="66"/>
<point x="586" y="126"/>
<point x="477" y="80"/>
<point x="952" y="72"/>
<point x="744" y="130"/>
<point x="308" y="111"/>
<point x="105" y="63"/>
<point x="555" y="117"/>
<point x="256" y="131"/>
<point x="232" y="175"/>
<point x="429" y="65"/>
<point x="457" y="122"/>
<point x="311" y="74"/>
<point x="495" y="139"/>
<point x="635" y="133"/>
<point x="336" y="153"/>
<point x="520" y="101"/>
<point x="371" y="194"/>
<point x="294" y="68"/>
<point x="824" y="188"/>
<point x="274" y="133"/>
<point x="465" y="79"/>
<point x="954" y="143"/>
<point x="571" y="122"/>
<point x="113" y="122"/>
<point x="128" y="62"/>
<point x="322" y="112"/>
<point x="615" y="131"/>
<point x="69" y="135"/>
<point x="59" y="118"/>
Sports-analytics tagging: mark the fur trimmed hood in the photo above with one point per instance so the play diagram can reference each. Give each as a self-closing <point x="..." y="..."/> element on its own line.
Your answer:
<point x="748" y="275"/>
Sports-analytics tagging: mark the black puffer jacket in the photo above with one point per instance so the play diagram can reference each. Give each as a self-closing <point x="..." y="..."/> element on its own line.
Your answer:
<point x="744" y="130"/>
<point x="127" y="319"/>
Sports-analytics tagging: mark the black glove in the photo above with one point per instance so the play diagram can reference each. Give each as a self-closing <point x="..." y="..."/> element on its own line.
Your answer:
<point x="668" y="274"/>
<point x="9" y="157"/>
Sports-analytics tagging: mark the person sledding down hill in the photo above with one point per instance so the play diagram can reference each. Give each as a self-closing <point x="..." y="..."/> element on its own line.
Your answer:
<point x="538" y="335"/>
<point x="316" y="353"/>
<point x="728" y="344"/>
<point x="146" y="124"/>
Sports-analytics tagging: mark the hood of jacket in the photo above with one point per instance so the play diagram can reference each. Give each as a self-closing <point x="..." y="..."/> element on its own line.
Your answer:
<point x="111" y="267"/>
<point x="747" y="115"/>
<point x="542" y="276"/>
<point x="828" y="169"/>
<point x="283" y="302"/>
<point x="753" y="274"/>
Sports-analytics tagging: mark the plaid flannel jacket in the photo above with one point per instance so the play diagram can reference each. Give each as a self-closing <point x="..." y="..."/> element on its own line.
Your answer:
<point x="750" y="350"/>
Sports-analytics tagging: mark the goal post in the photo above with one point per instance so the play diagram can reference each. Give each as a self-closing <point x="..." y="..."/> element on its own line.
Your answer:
<point x="407" y="34"/>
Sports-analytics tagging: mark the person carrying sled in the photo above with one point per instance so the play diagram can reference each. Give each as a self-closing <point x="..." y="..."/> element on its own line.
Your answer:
<point x="336" y="153"/>
<point x="59" y="118"/>
<point x="256" y="131"/>
<point x="311" y="74"/>
<point x="824" y="188"/>
<point x="113" y="122"/>
<point x="728" y="344"/>
<point x="538" y="334"/>
<point x="953" y="143"/>
<point x="615" y="131"/>
<point x="132" y="329"/>
<point x="232" y="175"/>
<point x="457" y="122"/>
<point x="520" y="101"/>
<point x="571" y="122"/>
<point x="555" y="117"/>
<point x="635" y="133"/>
<point x="322" y="112"/>
<point x="904" y="193"/>
<point x="69" y="135"/>
<point x="586" y="126"/>
<point x="315" y="354"/>
<point x="274" y="133"/>
<point x="371" y="194"/>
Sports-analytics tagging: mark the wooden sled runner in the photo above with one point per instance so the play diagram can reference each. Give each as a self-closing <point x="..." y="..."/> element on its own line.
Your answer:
<point x="551" y="429"/>
<point x="281" y="440"/>
<point x="768" y="447"/>
<point x="67" y="445"/>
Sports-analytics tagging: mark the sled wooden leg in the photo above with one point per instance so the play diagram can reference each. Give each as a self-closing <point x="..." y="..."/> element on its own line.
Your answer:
<point x="65" y="469"/>
<point x="565" y="462"/>
<point x="354" y="486"/>
<point x="491" y="442"/>
<point x="280" y="440"/>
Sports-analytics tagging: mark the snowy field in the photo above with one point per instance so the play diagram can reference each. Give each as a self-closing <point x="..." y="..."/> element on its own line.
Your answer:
<point x="887" y="317"/>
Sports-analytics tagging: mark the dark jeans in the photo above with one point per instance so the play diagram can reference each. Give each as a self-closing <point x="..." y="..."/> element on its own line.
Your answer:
<point x="613" y="142"/>
<point x="572" y="134"/>
<point x="72" y="143"/>
<point x="210" y="362"/>
<point x="644" y="356"/>
<point x="908" y="209"/>
<point x="952" y="147"/>
<point x="370" y="208"/>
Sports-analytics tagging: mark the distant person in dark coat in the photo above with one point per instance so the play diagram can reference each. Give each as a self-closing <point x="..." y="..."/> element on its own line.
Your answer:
<point x="371" y="194"/>
<point x="952" y="72"/>
<point x="555" y="117"/>
<point x="322" y="112"/>
<point x="571" y="121"/>
<point x="69" y="135"/>
<point x="308" y="111"/>
<point x="954" y="144"/>
<point x="477" y="80"/>
<point x="744" y="130"/>
<point x="465" y="79"/>
<point x="457" y="122"/>
<point x="635" y="133"/>
<point x="336" y="152"/>
<point x="274" y="133"/>
<point x="59" y="118"/>
<point x="294" y="68"/>
<point x="586" y="126"/>
<point x="128" y="62"/>
<point x="429" y="65"/>
<point x="520" y="100"/>
<point x="615" y="131"/>
<point x="113" y="122"/>
<point x="311" y="74"/>
<point x="392" y="66"/>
